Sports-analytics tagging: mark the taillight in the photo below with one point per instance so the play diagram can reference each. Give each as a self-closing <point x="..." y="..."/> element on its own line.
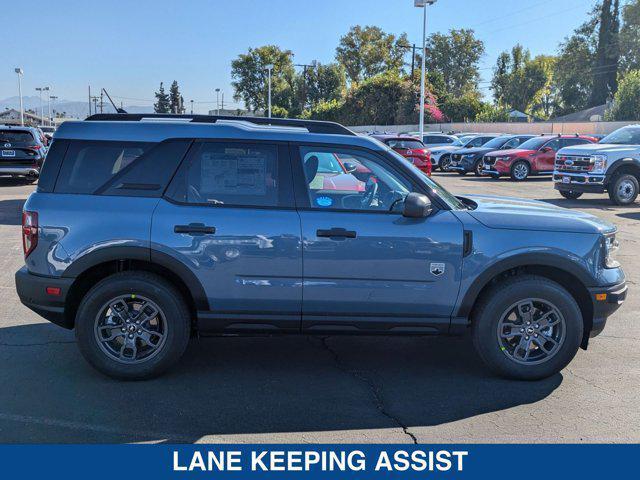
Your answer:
<point x="29" y="232"/>
<point x="36" y="147"/>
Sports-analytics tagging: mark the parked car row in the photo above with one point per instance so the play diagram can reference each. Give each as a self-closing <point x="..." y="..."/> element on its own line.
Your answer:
<point x="577" y="163"/>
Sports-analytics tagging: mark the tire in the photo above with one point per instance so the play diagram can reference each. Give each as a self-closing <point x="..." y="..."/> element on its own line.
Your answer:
<point x="570" y="194"/>
<point x="623" y="189"/>
<point x="170" y="333"/>
<point x="445" y="161"/>
<point x="461" y="173"/>
<point x="496" y="351"/>
<point x="520" y="171"/>
<point x="477" y="168"/>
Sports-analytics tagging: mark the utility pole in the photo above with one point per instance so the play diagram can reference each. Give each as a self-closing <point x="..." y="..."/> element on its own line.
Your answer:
<point x="217" y="101"/>
<point x="89" y="100"/>
<point x="101" y="101"/>
<point x="52" y="99"/>
<point x="19" y="71"/>
<point x="304" y="82"/>
<point x="40" y="90"/>
<point x="269" y="68"/>
<point x="423" y="4"/>
<point x="191" y="106"/>
<point x="413" y="60"/>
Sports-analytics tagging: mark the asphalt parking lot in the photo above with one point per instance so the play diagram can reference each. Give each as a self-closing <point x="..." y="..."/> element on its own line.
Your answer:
<point x="332" y="390"/>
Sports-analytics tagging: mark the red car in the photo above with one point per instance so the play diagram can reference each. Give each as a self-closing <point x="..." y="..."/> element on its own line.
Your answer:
<point x="534" y="157"/>
<point x="410" y="148"/>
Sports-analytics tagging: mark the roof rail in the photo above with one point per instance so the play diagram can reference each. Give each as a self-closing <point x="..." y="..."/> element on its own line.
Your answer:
<point x="312" y="126"/>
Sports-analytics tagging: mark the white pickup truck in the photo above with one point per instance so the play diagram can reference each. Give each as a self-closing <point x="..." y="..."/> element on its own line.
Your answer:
<point x="611" y="166"/>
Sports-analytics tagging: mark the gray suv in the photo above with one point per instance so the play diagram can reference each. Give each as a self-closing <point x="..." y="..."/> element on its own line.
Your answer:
<point x="147" y="230"/>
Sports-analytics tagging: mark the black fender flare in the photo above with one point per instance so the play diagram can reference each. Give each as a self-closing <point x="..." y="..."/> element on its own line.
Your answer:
<point x="537" y="259"/>
<point x="622" y="162"/>
<point x="145" y="254"/>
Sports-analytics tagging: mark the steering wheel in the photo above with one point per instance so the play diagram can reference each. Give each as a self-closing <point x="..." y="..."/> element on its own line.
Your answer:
<point x="370" y="193"/>
<point x="395" y="197"/>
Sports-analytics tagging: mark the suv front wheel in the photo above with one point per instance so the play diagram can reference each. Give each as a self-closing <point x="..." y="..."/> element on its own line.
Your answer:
<point x="527" y="328"/>
<point x="132" y="325"/>
<point x="623" y="189"/>
<point x="520" y="171"/>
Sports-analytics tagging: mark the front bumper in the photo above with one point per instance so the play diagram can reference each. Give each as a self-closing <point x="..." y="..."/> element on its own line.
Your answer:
<point x="578" y="182"/>
<point x="606" y="300"/>
<point x="491" y="173"/>
<point x="32" y="290"/>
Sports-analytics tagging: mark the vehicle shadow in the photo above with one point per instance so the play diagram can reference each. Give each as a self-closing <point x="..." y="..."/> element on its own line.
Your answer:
<point x="472" y="178"/>
<point x="247" y="386"/>
<point x="11" y="211"/>
<point x="600" y="203"/>
<point x="11" y="182"/>
<point x="629" y="215"/>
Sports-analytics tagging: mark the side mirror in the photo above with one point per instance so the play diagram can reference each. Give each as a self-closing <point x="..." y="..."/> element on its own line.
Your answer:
<point x="417" y="205"/>
<point x="350" y="167"/>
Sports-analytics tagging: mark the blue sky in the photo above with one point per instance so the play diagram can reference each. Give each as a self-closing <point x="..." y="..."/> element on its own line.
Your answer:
<point x="128" y="47"/>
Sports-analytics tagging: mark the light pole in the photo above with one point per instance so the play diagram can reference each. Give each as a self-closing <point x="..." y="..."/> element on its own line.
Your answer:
<point x="52" y="99"/>
<point x="269" y="68"/>
<point x="191" y="106"/>
<point x="40" y="90"/>
<point x="19" y="71"/>
<point x="217" y="101"/>
<point x="423" y="4"/>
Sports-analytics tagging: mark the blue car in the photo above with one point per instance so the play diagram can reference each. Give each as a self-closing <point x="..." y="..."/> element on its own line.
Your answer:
<point x="147" y="230"/>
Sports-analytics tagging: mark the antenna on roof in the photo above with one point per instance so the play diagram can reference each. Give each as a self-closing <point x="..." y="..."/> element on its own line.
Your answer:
<point x="118" y="110"/>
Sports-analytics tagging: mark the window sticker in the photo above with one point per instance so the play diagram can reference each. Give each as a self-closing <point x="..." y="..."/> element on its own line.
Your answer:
<point x="227" y="174"/>
<point x="324" y="201"/>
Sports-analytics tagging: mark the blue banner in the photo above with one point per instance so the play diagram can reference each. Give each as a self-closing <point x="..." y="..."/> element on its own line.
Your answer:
<point x="521" y="462"/>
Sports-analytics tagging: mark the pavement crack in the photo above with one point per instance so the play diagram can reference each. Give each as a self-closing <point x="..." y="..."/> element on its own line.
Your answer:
<point x="375" y="390"/>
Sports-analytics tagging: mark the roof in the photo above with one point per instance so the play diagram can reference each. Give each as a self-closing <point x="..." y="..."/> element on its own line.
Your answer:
<point x="156" y="128"/>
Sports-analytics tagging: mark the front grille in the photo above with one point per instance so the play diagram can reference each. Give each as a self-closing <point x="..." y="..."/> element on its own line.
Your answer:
<point x="573" y="163"/>
<point x="489" y="160"/>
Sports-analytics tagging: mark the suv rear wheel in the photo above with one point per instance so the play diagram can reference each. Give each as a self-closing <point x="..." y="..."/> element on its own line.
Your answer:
<point x="132" y="325"/>
<point x="623" y="189"/>
<point x="520" y="171"/>
<point x="527" y="328"/>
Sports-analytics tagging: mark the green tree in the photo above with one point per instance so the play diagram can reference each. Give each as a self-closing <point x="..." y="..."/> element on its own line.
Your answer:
<point x="162" y="104"/>
<point x="572" y="75"/>
<point x="175" y="103"/>
<point x="322" y="83"/>
<point x="523" y="83"/>
<point x="462" y="108"/>
<point x="626" y="103"/>
<point x="492" y="113"/>
<point x="368" y="51"/>
<point x="630" y="36"/>
<point x="250" y="78"/>
<point x="455" y="56"/>
<point x="607" y="54"/>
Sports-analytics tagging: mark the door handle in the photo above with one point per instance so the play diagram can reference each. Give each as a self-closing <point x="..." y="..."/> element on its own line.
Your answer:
<point x="195" y="229"/>
<point x="337" y="232"/>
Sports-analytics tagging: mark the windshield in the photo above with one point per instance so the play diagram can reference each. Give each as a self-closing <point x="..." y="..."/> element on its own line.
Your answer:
<point x="624" y="136"/>
<point x="15" y="136"/>
<point x="497" y="142"/>
<point x="404" y="143"/>
<point x="534" y="143"/>
<point x="435" y="187"/>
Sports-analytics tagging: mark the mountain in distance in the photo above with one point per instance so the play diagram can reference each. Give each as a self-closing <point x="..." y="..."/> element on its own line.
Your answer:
<point x="72" y="109"/>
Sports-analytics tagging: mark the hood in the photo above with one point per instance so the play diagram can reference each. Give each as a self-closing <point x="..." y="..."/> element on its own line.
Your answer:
<point x="523" y="214"/>
<point x="475" y="151"/>
<point x="599" y="148"/>
<point x="448" y="148"/>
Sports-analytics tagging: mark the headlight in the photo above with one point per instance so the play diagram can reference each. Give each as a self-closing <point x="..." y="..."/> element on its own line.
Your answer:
<point x="611" y="247"/>
<point x="599" y="163"/>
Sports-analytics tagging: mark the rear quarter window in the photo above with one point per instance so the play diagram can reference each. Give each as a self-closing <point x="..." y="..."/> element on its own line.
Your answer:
<point x="89" y="165"/>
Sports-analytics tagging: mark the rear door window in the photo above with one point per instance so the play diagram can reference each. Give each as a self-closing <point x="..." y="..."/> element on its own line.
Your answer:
<point x="88" y="165"/>
<point x="235" y="174"/>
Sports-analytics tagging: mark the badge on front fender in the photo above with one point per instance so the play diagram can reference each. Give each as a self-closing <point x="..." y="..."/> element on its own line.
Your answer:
<point x="437" y="269"/>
